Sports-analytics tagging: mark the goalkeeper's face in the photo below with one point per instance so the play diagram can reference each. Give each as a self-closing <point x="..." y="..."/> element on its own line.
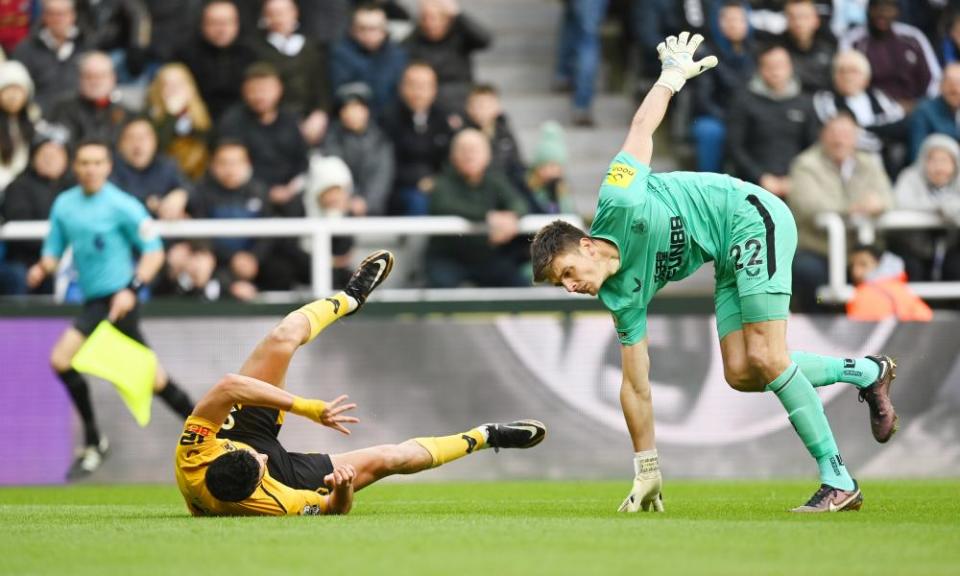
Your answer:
<point x="581" y="270"/>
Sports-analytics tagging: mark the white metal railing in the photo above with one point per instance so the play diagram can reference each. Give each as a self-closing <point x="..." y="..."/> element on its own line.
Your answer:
<point x="319" y="230"/>
<point x="837" y="288"/>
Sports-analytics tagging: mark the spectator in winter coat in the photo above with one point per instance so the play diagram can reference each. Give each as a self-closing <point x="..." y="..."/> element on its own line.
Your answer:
<point x="471" y="189"/>
<point x="368" y="55"/>
<point x="810" y="44"/>
<point x="52" y="51"/>
<point x="881" y="289"/>
<point x="17" y="117"/>
<point x="937" y="115"/>
<point x="31" y="195"/>
<point x="229" y="190"/>
<point x="715" y="93"/>
<point x="421" y="133"/>
<point x="831" y="176"/>
<point x="181" y="118"/>
<point x="446" y="38"/>
<point x="272" y="137"/>
<point x="94" y="112"/>
<point x="770" y="123"/>
<point x="903" y="62"/>
<point x="885" y="128"/>
<point x="152" y="177"/>
<point x="546" y="179"/>
<point x="484" y="112"/>
<point x="328" y="193"/>
<point x="121" y="28"/>
<point x="302" y="66"/>
<point x="217" y="58"/>
<point x="355" y="138"/>
<point x="931" y="184"/>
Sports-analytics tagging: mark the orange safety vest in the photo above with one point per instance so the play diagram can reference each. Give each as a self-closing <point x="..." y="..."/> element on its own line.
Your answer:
<point x="880" y="299"/>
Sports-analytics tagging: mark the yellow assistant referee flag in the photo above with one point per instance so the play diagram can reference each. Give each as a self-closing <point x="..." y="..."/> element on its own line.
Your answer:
<point x="119" y="359"/>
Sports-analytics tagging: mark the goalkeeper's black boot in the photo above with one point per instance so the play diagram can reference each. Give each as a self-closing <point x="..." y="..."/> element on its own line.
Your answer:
<point x="830" y="499"/>
<point x="519" y="434"/>
<point x="371" y="273"/>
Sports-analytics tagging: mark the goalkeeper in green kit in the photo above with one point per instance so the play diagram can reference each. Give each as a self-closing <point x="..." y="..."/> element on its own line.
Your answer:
<point x="650" y="229"/>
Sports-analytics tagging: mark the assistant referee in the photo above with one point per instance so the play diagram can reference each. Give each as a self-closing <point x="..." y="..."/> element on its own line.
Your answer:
<point x="108" y="229"/>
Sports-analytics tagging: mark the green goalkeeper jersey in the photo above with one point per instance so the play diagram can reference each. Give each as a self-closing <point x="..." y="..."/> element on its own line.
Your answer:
<point x="665" y="227"/>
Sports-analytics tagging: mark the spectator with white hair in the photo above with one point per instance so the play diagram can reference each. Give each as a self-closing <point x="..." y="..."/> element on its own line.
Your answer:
<point x="95" y="111"/>
<point x="471" y="189"/>
<point x="831" y="176"/>
<point x="883" y="120"/>
<point x="931" y="184"/>
<point x="52" y="51"/>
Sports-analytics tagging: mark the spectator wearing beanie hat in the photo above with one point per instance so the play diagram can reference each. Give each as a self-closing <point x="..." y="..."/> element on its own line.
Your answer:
<point x="546" y="178"/>
<point x="327" y="194"/>
<point x="355" y="138"/>
<point x="17" y="117"/>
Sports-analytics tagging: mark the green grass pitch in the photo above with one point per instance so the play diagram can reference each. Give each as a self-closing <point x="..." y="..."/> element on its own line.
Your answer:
<point x="490" y="529"/>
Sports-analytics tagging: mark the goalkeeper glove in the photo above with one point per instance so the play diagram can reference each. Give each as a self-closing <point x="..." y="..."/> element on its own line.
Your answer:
<point x="646" y="484"/>
<point x="676" y="57"/>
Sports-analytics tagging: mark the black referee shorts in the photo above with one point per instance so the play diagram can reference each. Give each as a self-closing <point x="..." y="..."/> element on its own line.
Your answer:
<point x="96" y="310"/>
<point x="258" y="427"/>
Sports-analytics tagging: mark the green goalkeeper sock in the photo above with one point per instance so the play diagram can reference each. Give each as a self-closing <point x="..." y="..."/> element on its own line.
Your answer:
<point x="805" y="412"/>
<point x="826" y="370"/>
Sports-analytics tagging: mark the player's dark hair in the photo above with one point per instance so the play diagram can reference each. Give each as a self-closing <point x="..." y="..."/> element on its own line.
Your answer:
<point x="552" y="240"/>
<point x="234" y="476"/>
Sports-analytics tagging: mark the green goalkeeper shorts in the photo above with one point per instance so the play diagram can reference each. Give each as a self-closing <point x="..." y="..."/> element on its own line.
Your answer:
<point x="755" y="274"/>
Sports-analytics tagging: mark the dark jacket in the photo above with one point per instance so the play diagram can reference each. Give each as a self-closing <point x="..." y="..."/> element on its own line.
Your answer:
<point x="29" y="197"/>
<point x="370" y="158"/>
<point x="766" y="133"/>
<point x="53" y="78"/>
<point x="932" y="117"/>
<point x="452" y="196"/>
<point x="210" y="199"/>
<point x="813" y="67"/>
<point x="117" y="24"/>
<point x="420" y="149"/>
<point x="305" y="75"/>
<point x="174" y="23"/>
<point x="714" y="93"/>
<point x="158" y="179"/>
<point x="451" y="56"/>
<point x="84" y="119"/>
<point x="277" y="150"/>
<point x="380" y="70"/>
<point x="218" y="71"/>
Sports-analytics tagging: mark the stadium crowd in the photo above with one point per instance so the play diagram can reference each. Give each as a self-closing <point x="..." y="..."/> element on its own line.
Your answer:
<point x="338" y="108"/>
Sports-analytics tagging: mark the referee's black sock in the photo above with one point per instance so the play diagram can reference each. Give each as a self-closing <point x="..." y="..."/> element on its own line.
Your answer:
<point x="79" y="391"/>
<point x="176" y="399"/>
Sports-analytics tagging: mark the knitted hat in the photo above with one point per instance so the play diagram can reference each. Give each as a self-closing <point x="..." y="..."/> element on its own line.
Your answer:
<point x="13" y="73"/>
<point x="353" y="91"/>
<point x="325" y="172"/>
<point x="551" y="147"/>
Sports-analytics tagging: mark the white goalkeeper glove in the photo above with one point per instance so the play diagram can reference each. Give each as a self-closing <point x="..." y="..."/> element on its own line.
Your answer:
<point x="676" y="57"/>
<point x="646" y="484"/>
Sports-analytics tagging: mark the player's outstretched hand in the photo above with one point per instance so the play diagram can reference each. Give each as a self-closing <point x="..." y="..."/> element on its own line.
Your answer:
<point x="677" y="63"/>
<point x="340" y="483"/>
<point x="647" y="482"/>
<point x="329" y="414"/>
